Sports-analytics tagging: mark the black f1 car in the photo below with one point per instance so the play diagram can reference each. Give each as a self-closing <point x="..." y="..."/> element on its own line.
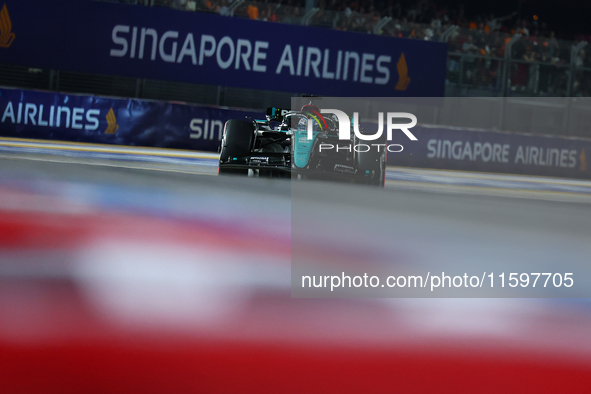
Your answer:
<point x="285" y="145"/>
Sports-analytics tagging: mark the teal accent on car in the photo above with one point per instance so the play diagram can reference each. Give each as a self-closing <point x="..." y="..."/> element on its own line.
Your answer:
<point x="302" y="147"/>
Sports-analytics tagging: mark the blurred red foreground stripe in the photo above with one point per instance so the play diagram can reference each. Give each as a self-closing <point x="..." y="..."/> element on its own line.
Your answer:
<point x="290" y="352"/>
<point x="224" y="367"/>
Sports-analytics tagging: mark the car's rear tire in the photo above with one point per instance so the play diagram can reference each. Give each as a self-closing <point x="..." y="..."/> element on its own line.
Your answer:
<point x="237" y="143"/>
<point x="372" y="164"/>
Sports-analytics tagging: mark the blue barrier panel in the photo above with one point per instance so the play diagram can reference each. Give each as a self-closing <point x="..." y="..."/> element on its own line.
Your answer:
<point x="68" y="117"/>
<point x="161" y="43"/>
<point x="45" y="115"/>
<point x="491" y="151"/>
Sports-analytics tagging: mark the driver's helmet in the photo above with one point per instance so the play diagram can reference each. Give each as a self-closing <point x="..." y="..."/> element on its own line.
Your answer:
<point x="313" y="113"/>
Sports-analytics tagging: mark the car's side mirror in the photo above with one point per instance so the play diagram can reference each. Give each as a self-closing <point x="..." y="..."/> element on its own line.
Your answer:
<point x="276" y="113"/>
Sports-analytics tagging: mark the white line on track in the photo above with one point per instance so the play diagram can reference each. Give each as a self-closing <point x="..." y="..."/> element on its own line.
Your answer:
<point x="103" y="148"/>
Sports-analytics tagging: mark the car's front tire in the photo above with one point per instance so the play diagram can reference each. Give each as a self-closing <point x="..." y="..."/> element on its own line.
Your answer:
<point x="236" y="144"/>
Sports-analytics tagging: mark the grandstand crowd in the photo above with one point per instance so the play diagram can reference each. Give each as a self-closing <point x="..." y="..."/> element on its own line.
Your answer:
<point x="477" y="43"/>
<point x="424" y="20"/>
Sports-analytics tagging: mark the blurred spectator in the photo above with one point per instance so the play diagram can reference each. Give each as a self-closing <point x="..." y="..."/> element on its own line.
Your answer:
<point x="552" y="46"/>
<point x="253" y="10"/>
<point x="469" y="46"/>
<point x="532" y="56"/>
<point x="208" y="6"/>
<point x="293" y="15"/>
<point x="269" y="13"/>
<point x="348" y="11"/>
<point x="494" y="24"/>
<point x="522" y="28"/>
<point x="191" y="5"/>
<point x="359" y="20"/>
<point x="224" y="10"/>
<point x="179" y="4"/>
<point x="469" y="49"/>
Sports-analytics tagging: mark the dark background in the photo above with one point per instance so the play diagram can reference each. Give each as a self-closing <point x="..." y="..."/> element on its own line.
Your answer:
<point x="568" y="19"/>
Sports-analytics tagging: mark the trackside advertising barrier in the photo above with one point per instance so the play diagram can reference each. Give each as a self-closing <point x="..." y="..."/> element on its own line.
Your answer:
<point x="43" y="115"/>
<point x="492" y="151"/>
<point x="166" y="44"/>
<point x="68" y="117"/>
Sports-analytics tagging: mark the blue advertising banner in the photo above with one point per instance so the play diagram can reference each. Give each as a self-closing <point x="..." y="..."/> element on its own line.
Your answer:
<point x="492" y="151"/>
<point x="161" y="43"/>
<point x="67" y="117"/>
<point x="45" y="115"/>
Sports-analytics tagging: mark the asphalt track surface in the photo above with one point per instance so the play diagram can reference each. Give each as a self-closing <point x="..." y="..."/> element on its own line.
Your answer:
<point x="460" y="220"/>
<point x="143" y="214"/>
<point x="205" y="163"/>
